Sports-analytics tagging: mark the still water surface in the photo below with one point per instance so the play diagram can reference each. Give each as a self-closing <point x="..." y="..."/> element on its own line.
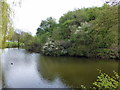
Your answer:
<point x="22" y="69"/>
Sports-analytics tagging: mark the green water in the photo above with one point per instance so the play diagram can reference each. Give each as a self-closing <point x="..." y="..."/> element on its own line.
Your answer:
<point x="32" y="70"/>
<point x="75" y="71"/>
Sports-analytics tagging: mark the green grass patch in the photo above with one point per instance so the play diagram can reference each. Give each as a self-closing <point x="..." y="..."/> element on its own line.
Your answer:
<point x="14" y="44"/>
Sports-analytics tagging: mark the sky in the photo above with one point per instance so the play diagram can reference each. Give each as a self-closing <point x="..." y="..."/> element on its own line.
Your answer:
<point x="29" y="16"/>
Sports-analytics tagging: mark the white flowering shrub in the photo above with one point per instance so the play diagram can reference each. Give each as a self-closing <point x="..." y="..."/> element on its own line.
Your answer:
<point x="53" y="48"/>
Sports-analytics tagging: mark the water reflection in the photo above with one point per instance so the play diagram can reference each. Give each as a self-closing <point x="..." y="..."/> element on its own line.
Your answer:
<point x="0" y="75"/>
<point x="0" y="70"/>
<point x="30" y="70"/>
<point x="23" y="73"/>
<point x="74" y="72"/>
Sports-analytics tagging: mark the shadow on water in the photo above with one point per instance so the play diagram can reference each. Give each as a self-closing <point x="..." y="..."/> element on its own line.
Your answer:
<point x="74" y="72"/>
<point x="22" y="69"/>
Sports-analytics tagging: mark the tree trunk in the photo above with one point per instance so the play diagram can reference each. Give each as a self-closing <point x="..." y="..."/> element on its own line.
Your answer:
<point x="18" y="43"/>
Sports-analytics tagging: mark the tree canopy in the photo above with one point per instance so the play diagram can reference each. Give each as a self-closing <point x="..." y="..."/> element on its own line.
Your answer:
<point x="91" y="32"/>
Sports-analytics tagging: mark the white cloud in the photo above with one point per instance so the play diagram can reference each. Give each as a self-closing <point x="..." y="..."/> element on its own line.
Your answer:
<point x="29" y="16"/>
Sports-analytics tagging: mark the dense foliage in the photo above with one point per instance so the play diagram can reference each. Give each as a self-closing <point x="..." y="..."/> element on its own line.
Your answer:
<point x="88" y="32"/>
<point x="105" y="82"/>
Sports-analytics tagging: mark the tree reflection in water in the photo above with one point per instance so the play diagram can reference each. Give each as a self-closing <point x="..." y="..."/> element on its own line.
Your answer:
<point x="74" y="72"/>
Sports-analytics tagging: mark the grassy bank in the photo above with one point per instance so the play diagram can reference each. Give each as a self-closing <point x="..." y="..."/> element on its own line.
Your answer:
<point x="14" y="45"/>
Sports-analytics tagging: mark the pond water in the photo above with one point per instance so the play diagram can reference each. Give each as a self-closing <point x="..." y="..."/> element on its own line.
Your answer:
<point x="22" y="69"/>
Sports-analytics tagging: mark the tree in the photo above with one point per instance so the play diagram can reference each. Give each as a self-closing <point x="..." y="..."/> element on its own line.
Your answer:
<point x="20" y="36"/>
<point x="6" y="27"/>
<point x="5" y="22"/>
<point x="46" y="26"/>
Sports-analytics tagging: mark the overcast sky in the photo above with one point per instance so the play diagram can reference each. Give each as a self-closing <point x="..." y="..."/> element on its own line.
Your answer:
<point x="29" y="15"/>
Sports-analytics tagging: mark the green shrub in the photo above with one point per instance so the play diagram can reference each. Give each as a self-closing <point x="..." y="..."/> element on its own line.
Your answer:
<point x="105" y="82"/>
<point x="106" y="53"/>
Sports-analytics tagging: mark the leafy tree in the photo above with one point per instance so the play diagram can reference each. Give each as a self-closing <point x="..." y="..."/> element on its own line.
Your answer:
<point x="6" y="27"/>
<point x="91" y="32"/>
<point x="46" y="26"/>
<point x="5" y="22"/>
<point x="105" y="29"/>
